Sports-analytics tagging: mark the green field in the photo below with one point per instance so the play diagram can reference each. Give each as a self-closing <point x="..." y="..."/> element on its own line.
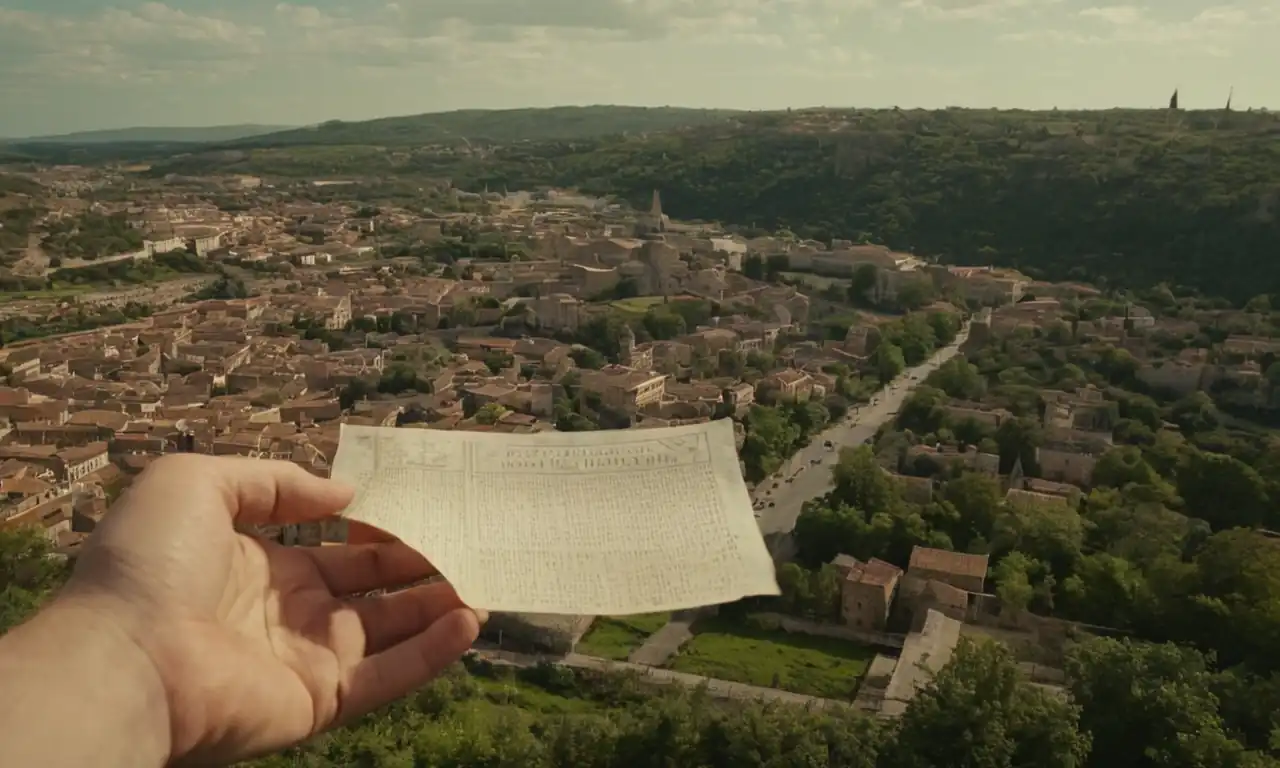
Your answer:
<point x="507" y="692"/>
<point x="615" y="637"/>
<point x="817" y="281"/>
<point x="57" y="291"/>
<point x="734" y="650"/>
<point x="639" y="304"/>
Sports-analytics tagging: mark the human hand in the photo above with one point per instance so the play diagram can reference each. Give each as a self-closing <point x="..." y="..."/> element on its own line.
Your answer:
<point x="258" y="646"/>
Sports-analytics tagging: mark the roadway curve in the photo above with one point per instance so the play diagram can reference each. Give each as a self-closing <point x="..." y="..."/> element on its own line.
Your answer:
<point x="809" y="481"/>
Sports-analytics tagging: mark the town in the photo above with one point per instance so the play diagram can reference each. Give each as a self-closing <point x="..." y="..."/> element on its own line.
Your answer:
<point x="236" y="317"/>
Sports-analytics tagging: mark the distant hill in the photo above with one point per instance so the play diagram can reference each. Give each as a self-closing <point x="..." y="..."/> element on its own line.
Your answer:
<point x="504" y="126"/>
<point x="210" y="135"/>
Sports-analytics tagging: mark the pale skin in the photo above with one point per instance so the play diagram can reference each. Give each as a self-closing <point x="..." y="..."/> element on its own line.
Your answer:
<point x="179" y="641"/>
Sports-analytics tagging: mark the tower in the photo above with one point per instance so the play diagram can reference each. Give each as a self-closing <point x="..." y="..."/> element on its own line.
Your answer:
<point x="542" y="399"/>
<point x="653" y="222"/>
<point x="627" y="346"/>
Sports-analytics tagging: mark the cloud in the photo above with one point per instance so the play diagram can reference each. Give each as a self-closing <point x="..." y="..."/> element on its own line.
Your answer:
<point x="154" y="42"/>
<point x="974" y="10"/>
<point x="149" y="41"/>
<point x="1212" y="31"/>
<point x="1114" y="14"/>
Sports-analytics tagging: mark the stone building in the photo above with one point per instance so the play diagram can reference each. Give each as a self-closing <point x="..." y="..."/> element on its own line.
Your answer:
<point x="867" y="591"/>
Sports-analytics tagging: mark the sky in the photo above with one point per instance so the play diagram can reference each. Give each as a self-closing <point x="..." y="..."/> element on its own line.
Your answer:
<point x="70" y="65"/>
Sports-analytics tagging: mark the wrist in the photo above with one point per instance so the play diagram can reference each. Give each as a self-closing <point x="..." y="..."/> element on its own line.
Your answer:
<point x="77" y="662"/>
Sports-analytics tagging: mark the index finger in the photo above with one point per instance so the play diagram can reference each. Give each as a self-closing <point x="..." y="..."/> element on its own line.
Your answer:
<point x="363" y="533"/>
<point x="253" y="491"/>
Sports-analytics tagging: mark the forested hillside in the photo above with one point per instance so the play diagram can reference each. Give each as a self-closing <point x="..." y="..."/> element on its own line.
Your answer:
<point x="1124" y="197"/>
<point x="171" y="135"/>
<point x="487" y="125"/>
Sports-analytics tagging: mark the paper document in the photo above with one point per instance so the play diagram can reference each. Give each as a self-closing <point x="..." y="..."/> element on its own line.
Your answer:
<point x="612" y="522"/>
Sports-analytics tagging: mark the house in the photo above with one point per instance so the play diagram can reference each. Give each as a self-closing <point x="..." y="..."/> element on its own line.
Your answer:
<point x="1025" y="499"/>
<point x="867" y="590"/>
<point x="923" y="653"/>
<point x="949" y="456"/>
<point x="960" y="412"/>
<point x="960" y="570"/>
<point x="83" y="460"/>
<point x="622" y="387"/>
<point x="1070" y="463"/>
<point x="790" y="384"/>
<point x="739" y="397"/>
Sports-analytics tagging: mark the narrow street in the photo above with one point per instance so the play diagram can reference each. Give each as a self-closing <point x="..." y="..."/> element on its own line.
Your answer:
<point x="810" y="480"/>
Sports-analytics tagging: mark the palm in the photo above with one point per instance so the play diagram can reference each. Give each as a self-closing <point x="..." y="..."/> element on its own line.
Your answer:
<point x="260" y="646"/>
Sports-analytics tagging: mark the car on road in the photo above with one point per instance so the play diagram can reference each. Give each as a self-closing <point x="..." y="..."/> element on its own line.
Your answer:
<point x="828" y="445"/>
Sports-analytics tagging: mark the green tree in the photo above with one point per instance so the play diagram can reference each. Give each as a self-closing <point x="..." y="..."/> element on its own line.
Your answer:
<point x="978" y="713"/>
<point x="1012" y="576"/>
<point x="865" y="279"/>
<point x="959" y="379"/>
<point x="663" y="324"/>
<point x="491" y="413"/>
<point x="588" y="358"/>
<point x="977" y="499"/>
<point x="770" y="438"/>
<point x="30" y="572"/>
<point x="889" y="362"/>
<point x="1224" y="491"/>
<point x="1148" y="705"/>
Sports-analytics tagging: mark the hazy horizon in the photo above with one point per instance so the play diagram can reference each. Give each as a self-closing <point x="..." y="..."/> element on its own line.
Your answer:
<point x="207" y="63"/>
<point x="294" y="126"/>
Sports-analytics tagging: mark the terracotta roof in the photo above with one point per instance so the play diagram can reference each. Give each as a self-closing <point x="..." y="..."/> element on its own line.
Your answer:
<point x="113" y="420"/>
<point x="946" y="594"/>
<point x="27" y="486"/>
<point x="82" y="452"/>
<point x="943" y="561"/>
<point x="876" y="572"/>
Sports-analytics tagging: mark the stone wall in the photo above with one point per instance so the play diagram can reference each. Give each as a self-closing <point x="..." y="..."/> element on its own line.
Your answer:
<point x="860" y="636"/>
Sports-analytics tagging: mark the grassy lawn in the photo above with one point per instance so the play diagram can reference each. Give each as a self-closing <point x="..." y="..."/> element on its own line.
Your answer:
<point x="638" y="304"/>
<point x="817" y="281"/>
<point x="511" y="693"/>
<point x="59" y="291"/>
<point x="615" y="637"/>
<point x="733" y="650"/>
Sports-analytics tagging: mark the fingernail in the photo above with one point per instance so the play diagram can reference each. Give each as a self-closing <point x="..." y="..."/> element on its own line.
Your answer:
<point x="482" y="615"/>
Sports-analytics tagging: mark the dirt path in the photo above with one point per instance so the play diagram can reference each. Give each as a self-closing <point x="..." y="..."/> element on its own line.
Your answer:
<point x="82" y="263"/>
<point x="664" y="643"/>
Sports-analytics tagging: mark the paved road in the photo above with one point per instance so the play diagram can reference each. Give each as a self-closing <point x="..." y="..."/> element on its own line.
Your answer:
<point x="664" y="643"/>
<point x="82" y="263"/>
<point x="722" y="689"/>
<point x="810" y="481"/>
